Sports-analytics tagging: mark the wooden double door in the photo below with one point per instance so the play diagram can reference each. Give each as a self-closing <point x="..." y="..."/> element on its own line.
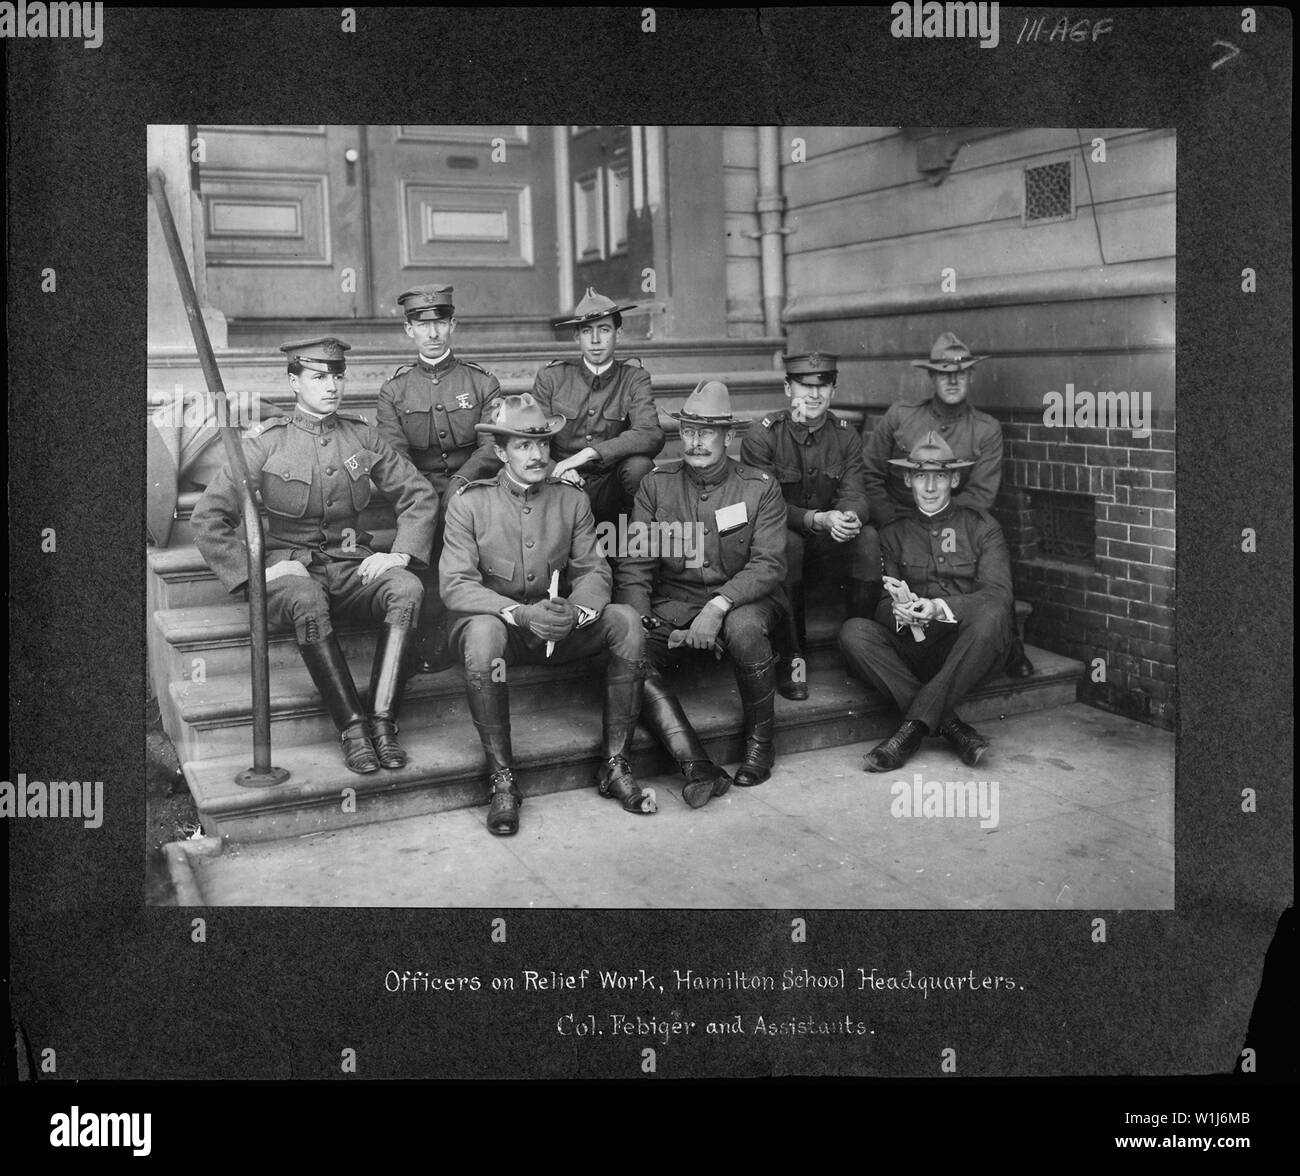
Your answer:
<point x="331" y="222"/>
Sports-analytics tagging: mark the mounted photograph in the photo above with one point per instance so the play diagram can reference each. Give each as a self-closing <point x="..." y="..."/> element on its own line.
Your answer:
<point x="671" y="517"/>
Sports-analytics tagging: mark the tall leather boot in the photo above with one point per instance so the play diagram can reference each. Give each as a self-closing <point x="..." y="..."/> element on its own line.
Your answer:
<point x="861" y="598"/>
<point x="489" y="708"/>
<point x="623" y="690"/>
<point x="1018" y="665"/>
<point x="329" y="671"/>
<point x="386" y="680"/>
<point x="791" y="665"/>
<point x="663" y="714"/>
<point x="757" y="685"/>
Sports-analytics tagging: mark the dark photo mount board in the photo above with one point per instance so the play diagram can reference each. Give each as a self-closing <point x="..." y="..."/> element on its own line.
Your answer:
<point x="120" y="991"/>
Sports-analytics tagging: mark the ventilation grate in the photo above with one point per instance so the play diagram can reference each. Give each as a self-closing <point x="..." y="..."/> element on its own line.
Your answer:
<point x="1049" y="192"/>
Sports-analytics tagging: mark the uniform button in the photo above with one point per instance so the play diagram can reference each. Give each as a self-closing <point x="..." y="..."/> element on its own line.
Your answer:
<point x="934" y="532"/>
<point x="442" y="432"/>
<point x="588" y="436"/>
<point x="706" y="563"/>
<point x="329" y="502"/>
<point x="528" y="543"/>
<point x="324" y="440"/>
<point x="941" y="559"/>
<point x="591" y="412"/>
<point x="329" y="469"/>
<point x="706" y="530"/>
<point x="435" y="379"/>
<point x="439" y="407"/>
<point x="532" y="576"/>
<point x="704" y="498"/>
<point x="528" y="510"/>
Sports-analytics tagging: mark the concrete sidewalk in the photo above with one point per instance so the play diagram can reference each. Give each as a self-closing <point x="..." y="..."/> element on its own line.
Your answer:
<point x="1084" y="818"/>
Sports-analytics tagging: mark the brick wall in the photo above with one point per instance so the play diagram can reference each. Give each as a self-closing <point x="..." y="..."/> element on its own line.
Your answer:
<point x="1121" y="607"/>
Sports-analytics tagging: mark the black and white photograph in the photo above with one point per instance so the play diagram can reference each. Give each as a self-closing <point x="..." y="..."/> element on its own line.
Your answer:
<point x="876" y="433"/>
<point x="758" y="550"/>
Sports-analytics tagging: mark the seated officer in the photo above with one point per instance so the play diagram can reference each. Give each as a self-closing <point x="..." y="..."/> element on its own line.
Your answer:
<point x="817" y="458"/>
<point x="427" y="412"/>
<point x="505" y="537"/>
<point x="314" y="470"/>
<point x="611" y="431"/>
<point x="973" y="436"/>
<point x="724" y="594"/>
<point x="955" y="561"/>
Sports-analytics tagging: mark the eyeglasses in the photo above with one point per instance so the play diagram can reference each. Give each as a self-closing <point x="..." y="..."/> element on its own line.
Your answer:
<point x="691" y="433"/>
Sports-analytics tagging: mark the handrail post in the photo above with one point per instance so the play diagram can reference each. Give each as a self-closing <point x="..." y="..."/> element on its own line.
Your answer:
<point x="261" y="774"/>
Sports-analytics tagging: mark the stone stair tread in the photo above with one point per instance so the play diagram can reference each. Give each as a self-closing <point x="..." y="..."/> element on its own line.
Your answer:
<point x="546" y="738"/>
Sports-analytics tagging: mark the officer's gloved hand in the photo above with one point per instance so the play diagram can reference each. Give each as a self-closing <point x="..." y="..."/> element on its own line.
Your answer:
<point x="286" y="567"/>
<point x="547" y="619"/>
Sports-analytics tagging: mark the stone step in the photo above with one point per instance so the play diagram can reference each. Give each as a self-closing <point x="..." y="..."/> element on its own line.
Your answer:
<point x="214" y="717"/>
<point x="559" y="748"/>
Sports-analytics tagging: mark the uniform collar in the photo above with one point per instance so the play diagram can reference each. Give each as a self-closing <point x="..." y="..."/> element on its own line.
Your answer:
<point x="594" y="372"/>
<point x="934" y="518"/>
<point x="507" y="483"/>
<point x="946" y="412"/>
<point x="803" y="434"/>
<point x="709" y="477"/>
<point x="309" y="422"/>
<point x="440" y="368"/>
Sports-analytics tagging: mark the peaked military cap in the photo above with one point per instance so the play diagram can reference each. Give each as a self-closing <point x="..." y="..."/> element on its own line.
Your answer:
<point x="817" y="367"/>
<point x="326" y="354"/>
<point x="592" y="307"/>
<point x="521" y="416"/>
<point x="427" y="302"/>
<point x="932" y="452"/>
<point x="709" y="404"/>
<point x="949" y="354"/>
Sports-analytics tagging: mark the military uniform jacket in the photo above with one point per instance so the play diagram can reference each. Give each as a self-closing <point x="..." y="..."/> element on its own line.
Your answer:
<point x="314" y="476"/>
<point x="503" y="541"/>
<point x="972" y="435"/>
<point x="613" y="413"/>
<point x="428" y="414"/>
<point x="743" y="556"/>
<point x="959" y="555"/>
<point x="818" y="469"/>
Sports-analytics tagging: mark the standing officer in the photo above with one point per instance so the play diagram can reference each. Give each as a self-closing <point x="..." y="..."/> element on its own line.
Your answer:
<point x="817" y="458"/>
<point x="955" y="562"/>
<point x="972" y="435"/>
<point x="427" y="412"/>
<point x="314" y="470"/>
<point x="727" y="594"/>
<point x="611" y="433"/>
<point x="505" y="539"/>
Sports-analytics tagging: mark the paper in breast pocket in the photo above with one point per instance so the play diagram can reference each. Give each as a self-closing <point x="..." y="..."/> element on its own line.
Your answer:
<point x="731" y="518"/>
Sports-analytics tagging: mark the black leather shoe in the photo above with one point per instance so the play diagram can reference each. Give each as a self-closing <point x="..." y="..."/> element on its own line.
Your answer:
<point x="358" y="754"/>
<point x="383" y="734"/>
<point x="704" y="781"/>
<point x="503" y="808"/>
<point x="895" y="751"/>
<point x="615" y="782"/>
<point x="756" y="766"/>
<point x="1018" y="665"/>
<point x="965" y="740"/>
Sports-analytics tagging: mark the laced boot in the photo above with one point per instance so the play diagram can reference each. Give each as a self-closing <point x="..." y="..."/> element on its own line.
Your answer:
<point x="895" y="751"/>
<point x="489" y="708"/>
<point x="623" y="691"/>
<point x="965" y="740"/>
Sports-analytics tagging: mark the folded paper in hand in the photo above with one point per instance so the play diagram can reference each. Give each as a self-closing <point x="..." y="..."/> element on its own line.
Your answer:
<point x="902" y="594"/>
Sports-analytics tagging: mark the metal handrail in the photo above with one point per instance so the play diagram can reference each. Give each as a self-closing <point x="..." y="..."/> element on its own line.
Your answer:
<point x="261" y="774"/>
